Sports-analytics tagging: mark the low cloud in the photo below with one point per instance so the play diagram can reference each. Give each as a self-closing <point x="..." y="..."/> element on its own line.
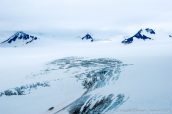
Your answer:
<point x="83" y="14"/>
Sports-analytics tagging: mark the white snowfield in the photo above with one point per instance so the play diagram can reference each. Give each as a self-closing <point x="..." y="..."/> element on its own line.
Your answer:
<point x="51" y="75"/>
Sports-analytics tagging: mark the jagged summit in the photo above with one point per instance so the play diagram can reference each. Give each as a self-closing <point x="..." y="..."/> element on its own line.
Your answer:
<point x="88" y="37"/>
<point x="151" y="31"/>
<point x="143" y="34"/>
<point x="18" y="39"/>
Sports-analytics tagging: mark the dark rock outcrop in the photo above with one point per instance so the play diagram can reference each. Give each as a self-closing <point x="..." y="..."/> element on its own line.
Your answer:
<point x="88" y="37"/>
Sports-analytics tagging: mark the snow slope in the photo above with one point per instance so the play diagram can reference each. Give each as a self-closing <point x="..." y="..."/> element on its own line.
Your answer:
<point x="141" y="83"/>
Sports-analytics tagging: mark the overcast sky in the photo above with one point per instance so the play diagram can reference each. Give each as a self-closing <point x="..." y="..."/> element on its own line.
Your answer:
<point x="84" y="14"/>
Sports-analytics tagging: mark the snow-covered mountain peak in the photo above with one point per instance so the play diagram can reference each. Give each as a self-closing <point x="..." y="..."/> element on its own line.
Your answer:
<point x="143" y="34"/>
<point x="18" y="39"/>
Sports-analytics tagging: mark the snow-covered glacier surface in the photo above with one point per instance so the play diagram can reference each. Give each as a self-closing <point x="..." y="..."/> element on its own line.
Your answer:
<point x="78" y="77"/>
<point x="96" y="77"/>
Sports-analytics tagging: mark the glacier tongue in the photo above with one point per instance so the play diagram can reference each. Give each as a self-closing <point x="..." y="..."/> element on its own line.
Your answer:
<point x="98" y="79"/>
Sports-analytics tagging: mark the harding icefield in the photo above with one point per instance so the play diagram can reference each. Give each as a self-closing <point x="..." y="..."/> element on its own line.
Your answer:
<point x="85" y="57"/>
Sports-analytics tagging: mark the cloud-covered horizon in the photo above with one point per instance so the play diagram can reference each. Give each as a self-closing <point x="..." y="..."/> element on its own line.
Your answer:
<point x="84" y="14"/>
